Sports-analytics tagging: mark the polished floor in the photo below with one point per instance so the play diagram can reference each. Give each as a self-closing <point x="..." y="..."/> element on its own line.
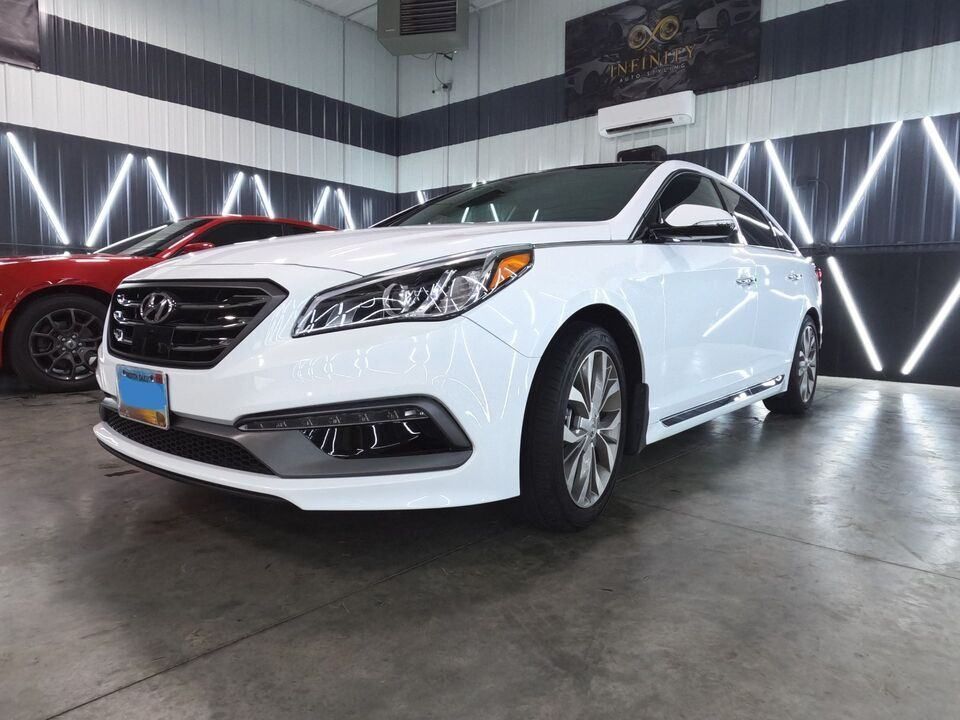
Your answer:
<point x="758" y="567"/>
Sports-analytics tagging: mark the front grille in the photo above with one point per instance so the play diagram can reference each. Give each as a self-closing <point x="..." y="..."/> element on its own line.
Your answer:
<point x="187" y="445"/>
<point x="427" y="16"/>
<point x="205" y="320"/>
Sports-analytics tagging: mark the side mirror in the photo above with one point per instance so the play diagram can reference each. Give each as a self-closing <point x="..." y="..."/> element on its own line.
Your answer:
<point x="694" y="223"/>
<point x="195" y="247"/>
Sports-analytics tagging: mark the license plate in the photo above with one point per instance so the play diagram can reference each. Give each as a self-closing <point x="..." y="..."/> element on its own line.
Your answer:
<point x="143" y="396"/>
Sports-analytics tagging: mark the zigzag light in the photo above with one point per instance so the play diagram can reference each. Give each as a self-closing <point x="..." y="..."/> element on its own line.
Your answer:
<point x="38" y="189"/>
<point x="738" y="163"/>
<point x="788" y="191"/>
<point x="162" y="188"/>
<point x="232" y="193"/>
<point x="953" y="298"/>
<point x="111" y="198"/>
<point x="865" y="183"/>
<point x="264" y="198"/>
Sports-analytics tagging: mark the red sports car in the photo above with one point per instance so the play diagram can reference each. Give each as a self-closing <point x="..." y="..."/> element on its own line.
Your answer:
<point x="52" y="307"/>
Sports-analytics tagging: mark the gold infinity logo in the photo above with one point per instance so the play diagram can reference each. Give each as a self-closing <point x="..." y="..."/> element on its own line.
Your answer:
<point x="665" y="31"/>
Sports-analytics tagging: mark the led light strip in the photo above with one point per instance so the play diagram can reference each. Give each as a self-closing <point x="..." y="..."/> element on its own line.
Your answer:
<point x="788" y="191"/>
<point x="162" y="188"/>
<point x="855" y="314"/>
<point x="867" y="179"/>
<point x="232" y="194"/>
<point x="108" y="203"/>
<point x="264" y="198"/>
<point x="954" y="297"/>
<point x="321" y="204"/>
<point x="738" y="163"/>
<point x="41" y="195"/>
<point x="346" y="208"/>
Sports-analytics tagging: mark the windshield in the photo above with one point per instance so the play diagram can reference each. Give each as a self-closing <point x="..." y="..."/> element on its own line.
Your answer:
<point x="583" y="194"/>
<point x="152" y="241"/>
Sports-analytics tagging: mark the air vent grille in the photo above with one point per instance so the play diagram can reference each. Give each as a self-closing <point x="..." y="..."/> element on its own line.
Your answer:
<point x="422" y="17"/>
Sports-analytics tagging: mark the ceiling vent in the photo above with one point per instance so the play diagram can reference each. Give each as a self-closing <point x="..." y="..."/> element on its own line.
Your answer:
<point x="408" y="27"/>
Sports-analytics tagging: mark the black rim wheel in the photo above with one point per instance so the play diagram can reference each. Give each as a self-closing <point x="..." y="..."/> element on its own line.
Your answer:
<point x="64" y="343"/>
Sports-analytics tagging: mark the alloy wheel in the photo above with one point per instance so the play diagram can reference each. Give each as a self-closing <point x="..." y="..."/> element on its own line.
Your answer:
<point x="64" y="343"/>
<point x="591" y="429"/>
<point x="807" y="365"/>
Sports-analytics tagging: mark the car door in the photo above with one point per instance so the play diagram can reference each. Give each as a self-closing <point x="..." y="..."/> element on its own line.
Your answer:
<point x="781" y="270"/>
<point x="711" y="302"/>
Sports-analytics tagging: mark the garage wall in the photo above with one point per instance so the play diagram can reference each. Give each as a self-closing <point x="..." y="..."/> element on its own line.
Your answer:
<point x="207" y="89"/>
<point x="834" y="78"/>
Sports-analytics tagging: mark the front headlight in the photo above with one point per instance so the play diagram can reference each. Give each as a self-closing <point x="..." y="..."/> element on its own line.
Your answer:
<point x="436" y="291"/>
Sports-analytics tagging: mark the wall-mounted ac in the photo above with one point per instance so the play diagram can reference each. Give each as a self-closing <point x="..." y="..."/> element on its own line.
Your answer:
<point x="652" y="114"/>
<point x="408" y="27"/>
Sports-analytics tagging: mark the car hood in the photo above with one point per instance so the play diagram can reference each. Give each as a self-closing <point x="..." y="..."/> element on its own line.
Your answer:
<point x="366" y="252"/>
<point x="52" y="262"/>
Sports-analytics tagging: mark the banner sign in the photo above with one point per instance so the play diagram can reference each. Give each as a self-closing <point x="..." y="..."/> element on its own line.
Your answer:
<point x="643" y="48"/>
<point x="20" y="33"/>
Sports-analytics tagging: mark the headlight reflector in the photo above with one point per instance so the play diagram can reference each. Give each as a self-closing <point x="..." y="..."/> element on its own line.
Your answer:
<point x="428" y="292"/>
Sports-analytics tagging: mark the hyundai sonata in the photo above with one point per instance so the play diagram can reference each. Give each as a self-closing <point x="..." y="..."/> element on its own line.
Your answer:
<point x="517" y="338"/>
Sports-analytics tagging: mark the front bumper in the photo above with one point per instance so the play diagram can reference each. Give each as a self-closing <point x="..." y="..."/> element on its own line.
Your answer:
<point x="480" y="381"/>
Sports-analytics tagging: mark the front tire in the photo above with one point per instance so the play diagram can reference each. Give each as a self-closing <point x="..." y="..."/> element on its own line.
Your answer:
<point x="798" y="399"/>
<point x="53" y="342"/>
<point x="573" y="430"/>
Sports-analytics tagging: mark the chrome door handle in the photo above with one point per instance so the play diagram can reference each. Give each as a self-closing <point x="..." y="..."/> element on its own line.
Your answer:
<point x="795" y="277"/>
<point x="746" y="281"/>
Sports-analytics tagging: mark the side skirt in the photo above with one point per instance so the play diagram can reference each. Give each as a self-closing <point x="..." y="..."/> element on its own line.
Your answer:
<point x="722" y="402"/>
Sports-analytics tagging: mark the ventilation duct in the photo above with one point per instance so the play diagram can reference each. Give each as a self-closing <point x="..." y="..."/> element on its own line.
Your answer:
<point x="408" y="27"/>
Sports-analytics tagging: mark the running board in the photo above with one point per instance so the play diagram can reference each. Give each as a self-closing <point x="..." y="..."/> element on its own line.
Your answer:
<point x="717" y="404"/>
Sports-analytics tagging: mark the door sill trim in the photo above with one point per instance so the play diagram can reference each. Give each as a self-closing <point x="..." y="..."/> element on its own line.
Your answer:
<point x="736" y="397"/>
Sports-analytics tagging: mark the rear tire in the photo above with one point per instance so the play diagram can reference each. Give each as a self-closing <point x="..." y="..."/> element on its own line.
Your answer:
<point x="53" y="342"/>
<point x="573" y="431"/>
<point x="798" y="399"/>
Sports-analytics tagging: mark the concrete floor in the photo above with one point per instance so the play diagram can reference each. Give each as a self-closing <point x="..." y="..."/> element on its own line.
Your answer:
<point x="756" y="567"/>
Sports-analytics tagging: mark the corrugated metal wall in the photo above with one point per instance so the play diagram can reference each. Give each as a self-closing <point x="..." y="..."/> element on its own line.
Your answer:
<point x="211" y="88"/>
<point x="834" y="78"/>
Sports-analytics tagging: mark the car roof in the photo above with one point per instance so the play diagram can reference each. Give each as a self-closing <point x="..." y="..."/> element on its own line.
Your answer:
<point x="252" y="218"/>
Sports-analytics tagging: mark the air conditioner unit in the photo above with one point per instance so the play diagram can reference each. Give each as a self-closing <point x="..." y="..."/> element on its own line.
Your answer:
<point x="652" y="114"/>
<point x="411" y="27"/>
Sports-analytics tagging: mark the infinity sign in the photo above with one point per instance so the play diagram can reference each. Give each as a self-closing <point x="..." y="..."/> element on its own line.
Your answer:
<point x="665" y="30"/>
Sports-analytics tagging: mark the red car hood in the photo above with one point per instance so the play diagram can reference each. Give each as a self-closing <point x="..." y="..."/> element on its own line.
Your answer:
<point x="70" y="260"/>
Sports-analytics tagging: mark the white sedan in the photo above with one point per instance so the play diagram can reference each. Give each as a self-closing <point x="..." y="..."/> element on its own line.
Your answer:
<point x="518" y="338"/>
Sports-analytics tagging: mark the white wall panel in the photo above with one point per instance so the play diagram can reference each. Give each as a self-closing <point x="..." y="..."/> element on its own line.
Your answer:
<point x="370" y="79"/>
<point x="898" y="87"/>
<point x="58" y="104"/>
<point x="283" y="40"/>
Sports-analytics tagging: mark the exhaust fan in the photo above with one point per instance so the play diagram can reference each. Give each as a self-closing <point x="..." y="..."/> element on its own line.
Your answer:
<point x="409" y="27"/>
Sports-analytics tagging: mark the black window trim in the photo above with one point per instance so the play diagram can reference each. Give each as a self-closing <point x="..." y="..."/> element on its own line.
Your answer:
<point x="765" y="213"/>
<point x="646" y="220"/>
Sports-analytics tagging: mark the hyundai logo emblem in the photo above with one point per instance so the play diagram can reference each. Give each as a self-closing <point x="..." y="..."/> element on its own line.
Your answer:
<point x="157" y="307"/>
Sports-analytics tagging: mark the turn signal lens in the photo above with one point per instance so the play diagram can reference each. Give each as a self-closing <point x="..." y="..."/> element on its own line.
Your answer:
<point x="508" y="268"/>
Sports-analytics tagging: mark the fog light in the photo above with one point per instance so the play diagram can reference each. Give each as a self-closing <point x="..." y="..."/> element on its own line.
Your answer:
<point x="334" y="420"/>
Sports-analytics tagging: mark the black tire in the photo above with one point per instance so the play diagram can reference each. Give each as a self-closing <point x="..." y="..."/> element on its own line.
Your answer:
<point x="18" y="342"/>
<point x="796" y="401"/>
<point x="544" y="497"/>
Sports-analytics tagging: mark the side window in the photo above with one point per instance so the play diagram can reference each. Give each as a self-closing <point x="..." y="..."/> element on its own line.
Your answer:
<point x="236" y="232"/>
<point x="689" y="189"/>
<point x="289" y="229"/>
<point x="754" y="226"/>
<point x="691" y="199"/>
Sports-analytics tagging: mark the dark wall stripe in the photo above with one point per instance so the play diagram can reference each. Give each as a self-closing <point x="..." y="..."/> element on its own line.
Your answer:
<point x="827" y="37"/>
<point x="81" y="52"/>
<point x="76" y="174"/>
<point x="911" y="203"/>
